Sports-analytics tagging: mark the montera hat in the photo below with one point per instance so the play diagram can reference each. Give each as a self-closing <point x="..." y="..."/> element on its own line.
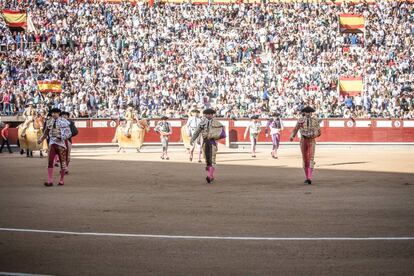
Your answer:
<point x="209" y="111"/>
<point x="308" y="109"/>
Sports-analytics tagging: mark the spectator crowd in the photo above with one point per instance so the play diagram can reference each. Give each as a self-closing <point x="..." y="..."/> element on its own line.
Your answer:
<point x="241" y="59"/>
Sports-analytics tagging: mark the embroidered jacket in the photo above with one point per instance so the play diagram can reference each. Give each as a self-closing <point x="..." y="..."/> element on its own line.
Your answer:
<point x="208" y="129"/>
<point x="59" y="131"/>
<point x="308" y="126"/>
<point x="164" y="127"/>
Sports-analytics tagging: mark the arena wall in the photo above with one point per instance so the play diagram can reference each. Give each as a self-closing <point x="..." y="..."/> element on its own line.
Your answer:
<point x="98" y="131"/>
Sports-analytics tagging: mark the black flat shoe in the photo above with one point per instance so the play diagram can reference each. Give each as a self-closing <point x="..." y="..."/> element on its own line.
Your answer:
<point x="47" y="184"/>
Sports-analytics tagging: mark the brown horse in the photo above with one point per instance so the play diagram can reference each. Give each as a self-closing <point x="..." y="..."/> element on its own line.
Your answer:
<point x="136" y="139"/>
<point x="28" y="142"/>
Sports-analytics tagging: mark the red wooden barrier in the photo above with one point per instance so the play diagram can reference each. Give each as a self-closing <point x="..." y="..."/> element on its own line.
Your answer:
<point x="333" y="130"/>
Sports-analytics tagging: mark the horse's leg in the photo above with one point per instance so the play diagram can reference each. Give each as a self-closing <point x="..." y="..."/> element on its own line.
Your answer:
<point x="20" y="146"/>
<point x="41" y="153"/>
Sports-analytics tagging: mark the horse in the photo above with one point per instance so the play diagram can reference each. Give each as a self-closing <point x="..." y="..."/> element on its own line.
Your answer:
<point x="28" y="142"/>
<point x="135" y="140"/>
<point x="186" y="138"/>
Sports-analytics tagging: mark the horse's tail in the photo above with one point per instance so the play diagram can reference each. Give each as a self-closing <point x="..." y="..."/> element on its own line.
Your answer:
<point x="115" y="139"/>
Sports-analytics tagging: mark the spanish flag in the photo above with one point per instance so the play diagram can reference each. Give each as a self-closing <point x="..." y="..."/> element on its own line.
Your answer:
<point x="49" y="86"/>
<point x="351" y="86"/>
<point x="224" y="2"/>
<point x="351" y="22"/>
<point x="15" y="19"/>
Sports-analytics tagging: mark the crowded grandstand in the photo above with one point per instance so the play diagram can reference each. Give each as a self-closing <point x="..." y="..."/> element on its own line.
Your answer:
<point x="94" y="60"/>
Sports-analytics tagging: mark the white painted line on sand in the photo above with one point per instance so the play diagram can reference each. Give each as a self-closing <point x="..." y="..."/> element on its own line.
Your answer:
<point x="21" y="274"/>
<point x="185" y="237"/>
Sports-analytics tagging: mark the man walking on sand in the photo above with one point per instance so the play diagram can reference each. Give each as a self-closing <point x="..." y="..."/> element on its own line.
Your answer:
<point x="309" y="128"/>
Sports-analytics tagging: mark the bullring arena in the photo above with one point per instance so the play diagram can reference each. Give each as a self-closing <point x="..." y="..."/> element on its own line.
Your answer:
<point x="116" y="83"/>
<point x="135" y="214"/>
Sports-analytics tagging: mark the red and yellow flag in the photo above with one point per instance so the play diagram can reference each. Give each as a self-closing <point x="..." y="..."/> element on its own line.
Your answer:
<point x="351" y="22"/>
<point x="224" y="2"/>
<point x="15" y="18"/>
<point x="351" y="86"/>
<point x="199" y="2"/>
<point x="49" y="86"/>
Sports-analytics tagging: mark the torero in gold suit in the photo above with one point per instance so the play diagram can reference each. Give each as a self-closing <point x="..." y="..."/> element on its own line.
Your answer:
<point x="29" y="116"/>
<point x="309" y="129"/>
<point x="130" y="118"/>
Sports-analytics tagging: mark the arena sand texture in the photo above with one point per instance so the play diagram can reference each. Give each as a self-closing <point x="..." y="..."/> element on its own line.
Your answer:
<point x="358" y="191"/>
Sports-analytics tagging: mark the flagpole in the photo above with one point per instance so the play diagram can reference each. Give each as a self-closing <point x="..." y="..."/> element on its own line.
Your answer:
<point x="338" y="69"/>
<point x="363" y="61"/>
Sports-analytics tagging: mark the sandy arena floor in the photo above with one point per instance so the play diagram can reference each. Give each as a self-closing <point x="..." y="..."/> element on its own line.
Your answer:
<point x="219" y="229"/>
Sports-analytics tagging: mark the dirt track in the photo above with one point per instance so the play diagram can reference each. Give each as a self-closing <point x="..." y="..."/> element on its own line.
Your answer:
<point x="358" y="192"/>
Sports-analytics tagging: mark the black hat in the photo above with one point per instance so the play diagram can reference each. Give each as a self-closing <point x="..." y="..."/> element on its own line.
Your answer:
<point x="164" y="118"/>
<point x="254" y="117"/>
<point x="209" y="111"/>
<point x="63" y="113"/>
<point x="195" y="111"/>
<point x="55" y="110"/>
<point x="275" y="114"/>
<point x="308" y="109"/>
